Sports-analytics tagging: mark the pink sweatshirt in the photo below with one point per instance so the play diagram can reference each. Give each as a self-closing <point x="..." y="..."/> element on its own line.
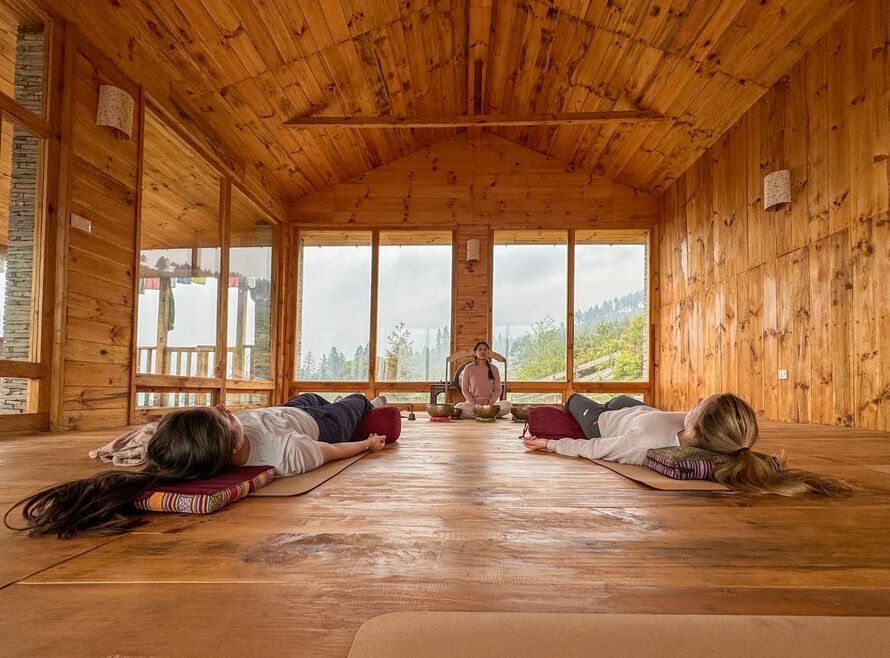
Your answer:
<point x="476" y="387"/>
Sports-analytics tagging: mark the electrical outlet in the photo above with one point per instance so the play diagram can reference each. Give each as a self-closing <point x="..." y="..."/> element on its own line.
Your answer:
<point x="783" y="374"/>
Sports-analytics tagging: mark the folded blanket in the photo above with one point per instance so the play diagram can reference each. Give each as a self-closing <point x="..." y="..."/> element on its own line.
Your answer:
<point x="129" y="449"/>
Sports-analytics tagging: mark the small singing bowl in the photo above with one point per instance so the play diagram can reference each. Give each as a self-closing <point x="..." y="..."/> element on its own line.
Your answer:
<point x="456" y="413"/>
<point x="445" y="410"/>
<point x="486" y="410"/>
<point x="520" y="411"/>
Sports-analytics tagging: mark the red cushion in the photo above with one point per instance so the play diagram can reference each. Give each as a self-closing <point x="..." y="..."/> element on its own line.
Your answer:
<point x="553" y="423"/>
<point x="205" y="496"/>
<point x="380" y="420"/>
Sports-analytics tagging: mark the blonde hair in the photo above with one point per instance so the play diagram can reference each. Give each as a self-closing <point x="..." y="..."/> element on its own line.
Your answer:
<point x="727" y="424"/>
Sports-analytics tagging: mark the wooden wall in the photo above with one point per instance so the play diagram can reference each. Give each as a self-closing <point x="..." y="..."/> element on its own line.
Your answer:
<point x="99" y="180"/>
<point x="474" y="186"/>
<point x="746" y="292"/>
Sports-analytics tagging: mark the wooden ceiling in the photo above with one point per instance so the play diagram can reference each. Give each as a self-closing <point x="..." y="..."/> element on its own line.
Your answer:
<point x="244" y="67"/>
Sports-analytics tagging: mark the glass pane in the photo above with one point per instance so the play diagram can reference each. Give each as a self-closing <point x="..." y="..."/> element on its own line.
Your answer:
<point x="149" y="400"/>
<point x="420" y="400"/>
<point x="529" y="304"/>
<point x="18" y="396"/>
<point x="334" y="306"/>
<point x="242" y="400"/>
<point x="249" y="324"/>
<point x="535" y="398"/>
<point x="179" y="273"/>
<point x="330" y="396"/>
<point x="610" y="313"/>
<point x="414" y="306"/>
<point x="21" y="155"/>
<point x="22" y="36"/>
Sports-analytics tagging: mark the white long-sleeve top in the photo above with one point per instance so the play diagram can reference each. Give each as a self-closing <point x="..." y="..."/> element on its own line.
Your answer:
<point x="627" y="434"/>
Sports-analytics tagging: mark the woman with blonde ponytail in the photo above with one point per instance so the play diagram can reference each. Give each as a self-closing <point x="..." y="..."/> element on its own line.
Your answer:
<point x="624" y="430"/>
<point x="726" y="424"/>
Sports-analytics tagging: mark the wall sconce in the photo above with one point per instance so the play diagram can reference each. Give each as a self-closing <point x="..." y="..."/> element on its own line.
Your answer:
<point x="115" y="110"/>
<point x="776" y="189"/>
<point x="473" y="251"/>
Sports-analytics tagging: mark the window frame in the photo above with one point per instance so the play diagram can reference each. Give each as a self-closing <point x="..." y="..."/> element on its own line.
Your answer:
<point x="369" y="386"/>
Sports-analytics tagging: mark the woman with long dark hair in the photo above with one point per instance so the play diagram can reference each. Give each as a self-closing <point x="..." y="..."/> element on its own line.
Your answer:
<point x="195" y="444"/>
<point x="722" y="423"/>
<point x="480" y="383"/>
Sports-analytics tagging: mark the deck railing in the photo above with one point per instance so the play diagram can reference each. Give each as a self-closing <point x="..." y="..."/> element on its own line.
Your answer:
<point x="198" y="361"/>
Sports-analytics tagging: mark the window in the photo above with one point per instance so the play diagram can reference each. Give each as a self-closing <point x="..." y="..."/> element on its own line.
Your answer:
<point x="23" y="132"/>
<point x="334" y="309"/>
<point x="596" y="279"/>
<point x="179" y="259"/>
<point x="249" y="324"/>
<point x="611" y="316"/>
<point x="22" y="55"/>
<point x="529" y="304"/>
<point x="414" y="306"/>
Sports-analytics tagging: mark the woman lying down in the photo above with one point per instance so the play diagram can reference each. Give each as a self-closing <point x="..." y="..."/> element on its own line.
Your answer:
<point x="195" y="444"/>
<point x="624" y="429"/>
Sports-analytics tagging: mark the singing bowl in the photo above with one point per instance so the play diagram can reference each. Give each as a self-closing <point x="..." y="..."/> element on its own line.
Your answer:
<point x="486" y="410"/>
<point x="456" y="413"/>
<point x="520" y="411"/>
<point x="444" y="410"/>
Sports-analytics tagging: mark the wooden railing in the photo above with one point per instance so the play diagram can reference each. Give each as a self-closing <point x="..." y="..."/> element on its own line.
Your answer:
<point x="199" y="361"/>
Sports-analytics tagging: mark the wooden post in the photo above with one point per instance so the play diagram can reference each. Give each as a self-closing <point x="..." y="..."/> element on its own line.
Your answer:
<point x="225" y="202"/>
<point x="372" y="338"/>
<point x="570" y="315"/>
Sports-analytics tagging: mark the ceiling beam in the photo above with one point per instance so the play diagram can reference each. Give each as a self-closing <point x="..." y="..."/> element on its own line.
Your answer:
<point x="537" y="119"/>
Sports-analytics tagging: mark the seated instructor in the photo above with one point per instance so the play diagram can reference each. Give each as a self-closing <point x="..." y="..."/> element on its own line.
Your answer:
<point x="480" y="383"/>
<point x="195" y="444"/>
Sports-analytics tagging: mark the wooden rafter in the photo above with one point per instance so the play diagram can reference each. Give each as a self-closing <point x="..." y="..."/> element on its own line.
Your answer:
<point x="545" y="119"/>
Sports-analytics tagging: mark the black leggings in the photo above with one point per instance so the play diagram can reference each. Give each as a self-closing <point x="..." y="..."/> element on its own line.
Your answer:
<point x="587" y="412"/>
<point x="337" y="421"/>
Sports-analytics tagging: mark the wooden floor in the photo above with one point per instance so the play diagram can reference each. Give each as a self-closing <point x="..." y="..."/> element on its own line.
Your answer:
<point x="455" y="516"/>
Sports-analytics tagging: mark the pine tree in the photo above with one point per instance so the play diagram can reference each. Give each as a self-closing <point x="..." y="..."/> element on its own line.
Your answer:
<point x="323" y="368"/>
<point x="308" y="369"/>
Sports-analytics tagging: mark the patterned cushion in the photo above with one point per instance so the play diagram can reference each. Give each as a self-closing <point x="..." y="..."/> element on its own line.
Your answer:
<point x="206" y="496"/>
<point x="688" y="463"/>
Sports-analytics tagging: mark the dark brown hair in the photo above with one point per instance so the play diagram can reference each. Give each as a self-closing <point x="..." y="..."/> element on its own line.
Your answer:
<point x="727" y="424"/>
<point x="188" y="445"/>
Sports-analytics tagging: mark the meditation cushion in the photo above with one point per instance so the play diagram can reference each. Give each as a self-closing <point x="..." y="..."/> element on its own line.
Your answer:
<point x="206" y="496"/>
<point x="688" y="463"/>
<point x="552" y="423"/>
<point x="380" y="420"/>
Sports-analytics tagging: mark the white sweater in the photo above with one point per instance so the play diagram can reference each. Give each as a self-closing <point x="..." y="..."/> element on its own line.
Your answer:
<point x="627" y="434"/>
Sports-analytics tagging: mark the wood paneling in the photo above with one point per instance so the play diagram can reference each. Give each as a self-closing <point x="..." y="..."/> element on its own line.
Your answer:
<point x="801" y="289"/>
<point x="474" y="186"/>
<point x="242" y="68"/>
<point x="99" y="264"/>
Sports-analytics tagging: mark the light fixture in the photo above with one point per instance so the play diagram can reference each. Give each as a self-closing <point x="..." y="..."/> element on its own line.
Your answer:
<point x="776" y="188"/>
<point x="473" y="251"/>
<point x="115" y="110"/>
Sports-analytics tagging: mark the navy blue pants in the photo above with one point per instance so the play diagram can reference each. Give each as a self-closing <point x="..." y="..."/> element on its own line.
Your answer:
<point x="587" y="412"/>
<point x="337" y="421"/>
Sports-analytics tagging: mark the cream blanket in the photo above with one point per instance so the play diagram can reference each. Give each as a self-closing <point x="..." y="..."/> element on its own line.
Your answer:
<point x="129" y="449"/>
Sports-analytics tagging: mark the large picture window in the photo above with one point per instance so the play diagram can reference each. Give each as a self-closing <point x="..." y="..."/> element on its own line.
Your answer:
<point x="399" y="283"/>
<point x="529" y="303"/>
<point x="610" y="319"/>
<point x="414" y="307"/>
<point x="581" y="288"/>
<point x="334" y="309"/>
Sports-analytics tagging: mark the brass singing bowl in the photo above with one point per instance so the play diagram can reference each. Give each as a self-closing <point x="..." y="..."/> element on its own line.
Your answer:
<point x="444" y="410"/>
<point x="486" y="410"/>
<point x="520" y="411"/>
<point x="456" y="413"/>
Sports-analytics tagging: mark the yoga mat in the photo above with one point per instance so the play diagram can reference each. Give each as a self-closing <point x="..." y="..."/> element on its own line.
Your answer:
<point x="300" y="484"/>
<point x="527" y="635"/>
<point x="658" y="481"/>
